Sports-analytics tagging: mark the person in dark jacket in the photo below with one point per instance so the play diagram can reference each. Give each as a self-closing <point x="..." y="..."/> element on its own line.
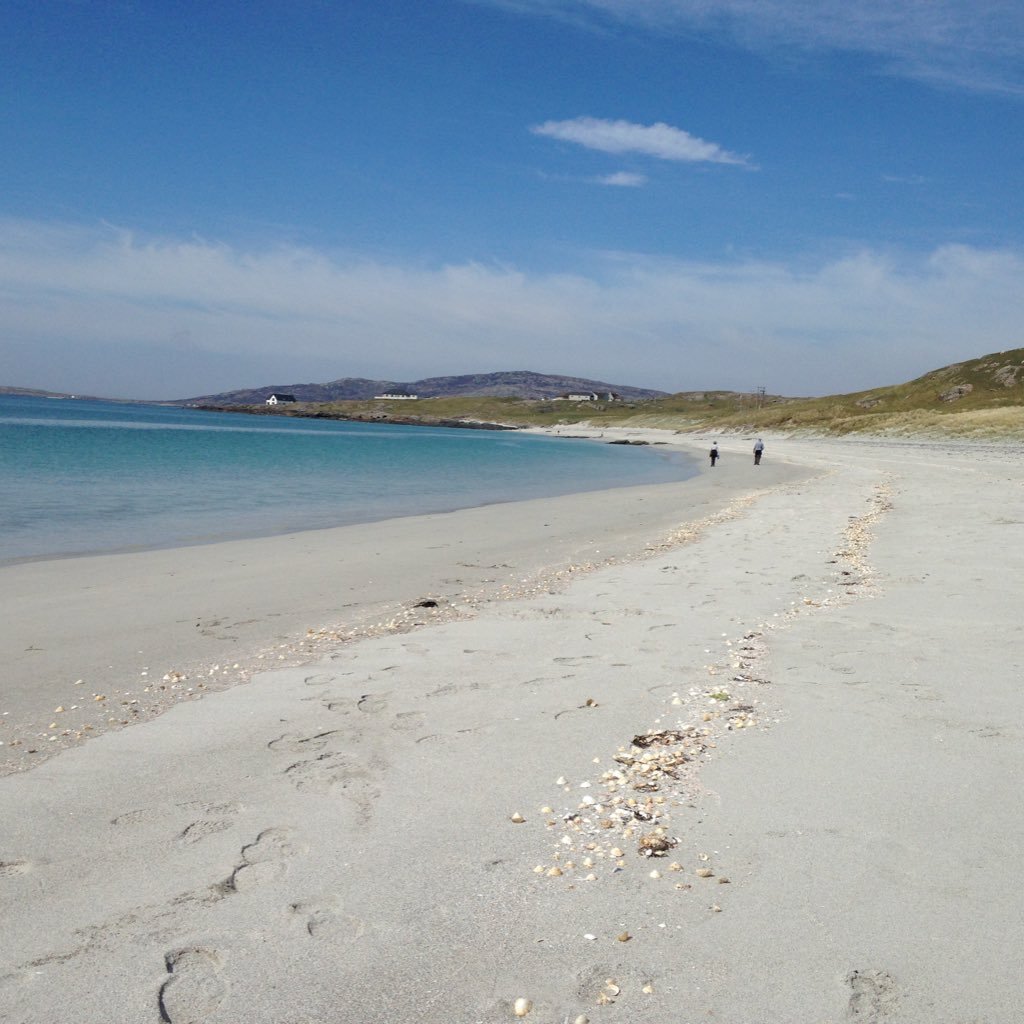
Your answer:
<point x="714" y="453"/>
<point x="758" y="449"/>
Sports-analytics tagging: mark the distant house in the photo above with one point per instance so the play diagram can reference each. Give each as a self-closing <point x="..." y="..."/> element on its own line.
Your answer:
<point x="588" y="396"/>
<point x="279" y="399"/>
<point x="397" y="396"/>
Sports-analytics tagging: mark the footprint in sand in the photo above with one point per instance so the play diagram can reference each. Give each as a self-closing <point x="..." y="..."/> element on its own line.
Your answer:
<point x="195" y="988"/>
<point x="292" y="743"/>
<point x="408" y="721"/>
<point x="606" y="983"/>
<point x="873" y="996"/>
<point x="199" y="830"/>
<point x="335" y="771"/>
<point x="373" y="703"/>
<point x="150" y="815"/>
<point x="10" y="868"/>
<point x="325" y="919"/>
<point x="320" y="679"/>
<point x="263" y="860"/>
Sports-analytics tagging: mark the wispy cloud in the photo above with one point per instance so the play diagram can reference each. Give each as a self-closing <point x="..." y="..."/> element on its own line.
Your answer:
<point x="104" y="311"/>
<point x="623" y="179"/>
<point x="905" y="179"/>
<point x="969" y="44"/>
<point x="658" y="140"/>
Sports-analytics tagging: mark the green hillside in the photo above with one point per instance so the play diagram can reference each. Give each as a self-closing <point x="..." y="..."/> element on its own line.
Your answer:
<point x="978" y="398"/>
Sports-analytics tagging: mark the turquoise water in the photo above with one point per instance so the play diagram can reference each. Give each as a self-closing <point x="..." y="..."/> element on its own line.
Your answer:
<point x="83" y="477"/>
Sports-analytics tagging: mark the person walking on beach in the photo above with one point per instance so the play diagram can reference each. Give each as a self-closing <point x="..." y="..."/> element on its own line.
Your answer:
<point x="714" y="454"/>
<point x="758" y="448"/>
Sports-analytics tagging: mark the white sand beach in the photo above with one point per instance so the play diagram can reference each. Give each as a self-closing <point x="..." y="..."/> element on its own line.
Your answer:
<point x="796" y="686"/>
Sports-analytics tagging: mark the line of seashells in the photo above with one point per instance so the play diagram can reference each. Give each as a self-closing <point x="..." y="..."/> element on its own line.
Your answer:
<point x="652" y="774"/>
<point x="647" y="778"/>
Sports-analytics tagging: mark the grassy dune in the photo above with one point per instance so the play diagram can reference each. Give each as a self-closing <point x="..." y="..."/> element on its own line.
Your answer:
<point x="981" y="398"/>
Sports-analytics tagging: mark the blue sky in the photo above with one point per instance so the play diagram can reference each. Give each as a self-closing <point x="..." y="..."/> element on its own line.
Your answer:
<point x="806" y="195"/>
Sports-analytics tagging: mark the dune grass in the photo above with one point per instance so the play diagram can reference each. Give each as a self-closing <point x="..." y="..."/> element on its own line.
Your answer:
<point x="978" y="399"/>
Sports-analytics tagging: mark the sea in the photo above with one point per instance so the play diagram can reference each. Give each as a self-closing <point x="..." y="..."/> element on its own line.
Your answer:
<point x="86" y="477"/>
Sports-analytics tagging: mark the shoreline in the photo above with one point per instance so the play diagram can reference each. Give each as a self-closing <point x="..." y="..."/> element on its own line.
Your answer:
<point x="247" y="537"/>
<point x="115" y="639"/>
<point x="803" y="703"/>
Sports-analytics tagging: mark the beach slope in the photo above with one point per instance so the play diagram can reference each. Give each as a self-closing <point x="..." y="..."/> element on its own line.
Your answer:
<point x="763" y="768"/>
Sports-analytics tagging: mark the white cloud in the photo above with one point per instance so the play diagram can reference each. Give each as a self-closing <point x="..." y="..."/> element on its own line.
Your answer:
<point x="103" y="311"/>
<point x="659" y="140"/>
<point x="623" y="179"/>
<point x="971" y="44"/>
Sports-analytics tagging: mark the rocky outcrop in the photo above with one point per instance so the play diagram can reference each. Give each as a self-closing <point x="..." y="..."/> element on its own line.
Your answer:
<point x="955" y="393"/>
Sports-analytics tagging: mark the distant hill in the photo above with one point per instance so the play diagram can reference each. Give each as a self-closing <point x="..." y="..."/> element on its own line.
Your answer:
<point x="510" y="384"/>
<point x="981" y="397"/>
<point x="33" y="393"/>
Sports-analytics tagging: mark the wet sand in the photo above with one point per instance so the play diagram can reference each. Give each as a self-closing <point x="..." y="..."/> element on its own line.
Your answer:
<point x="796" y="690"/>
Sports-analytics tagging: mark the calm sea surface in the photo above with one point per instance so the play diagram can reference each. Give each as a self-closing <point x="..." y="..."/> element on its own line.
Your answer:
<point x="85" y="477"/>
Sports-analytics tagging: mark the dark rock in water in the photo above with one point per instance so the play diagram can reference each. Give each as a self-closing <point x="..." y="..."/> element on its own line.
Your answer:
<point x="426" y="603"/>
<point x="624" y="441"/>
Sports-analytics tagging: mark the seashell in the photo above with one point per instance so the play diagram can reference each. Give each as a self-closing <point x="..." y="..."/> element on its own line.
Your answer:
<point x="716" y="908"/>
<point x="611" y="988"/>
<point x="648" y="989"/>
<point x="603" y="1000"/>
<point x="539" y="869"/>
<point x="561" y="781"/>
<point x="655" y="874"/>
<point x="569" y="865"/>
<point x="554" y="872"/>
<point x="588" y="862"/>
<point x="591" y="877"/>
<point x="582" y="1019"/>
<point x="723" y="880"/>
<point x="616" y="852"/>
<point x="546" y="810"/>
<point x="587" y="801"/>
<point x="521" y="1007"/>
<point x="704" y="872"/>
<point x="624" y="937"/>
<point x="675" y="866"/>
<point x="654" y="844"/>
<point x="517" y="818"/>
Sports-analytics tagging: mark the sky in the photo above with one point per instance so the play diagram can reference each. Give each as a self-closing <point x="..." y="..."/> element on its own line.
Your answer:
<point x="809" y="196"/>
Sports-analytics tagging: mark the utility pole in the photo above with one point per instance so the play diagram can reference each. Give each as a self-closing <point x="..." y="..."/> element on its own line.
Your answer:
<point x="760" y="396"/>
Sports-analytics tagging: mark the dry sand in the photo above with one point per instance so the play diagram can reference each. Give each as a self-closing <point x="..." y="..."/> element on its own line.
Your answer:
<point x="797" y="686"/>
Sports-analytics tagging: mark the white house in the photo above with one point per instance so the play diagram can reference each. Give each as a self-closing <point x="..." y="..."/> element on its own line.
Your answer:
<point x="588" y="396"/>
<point x="278" y="399"/>
<point x="396" y="396"/>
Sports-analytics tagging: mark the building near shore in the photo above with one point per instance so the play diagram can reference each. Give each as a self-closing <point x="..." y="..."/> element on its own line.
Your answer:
<point x="588" y="396"/>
